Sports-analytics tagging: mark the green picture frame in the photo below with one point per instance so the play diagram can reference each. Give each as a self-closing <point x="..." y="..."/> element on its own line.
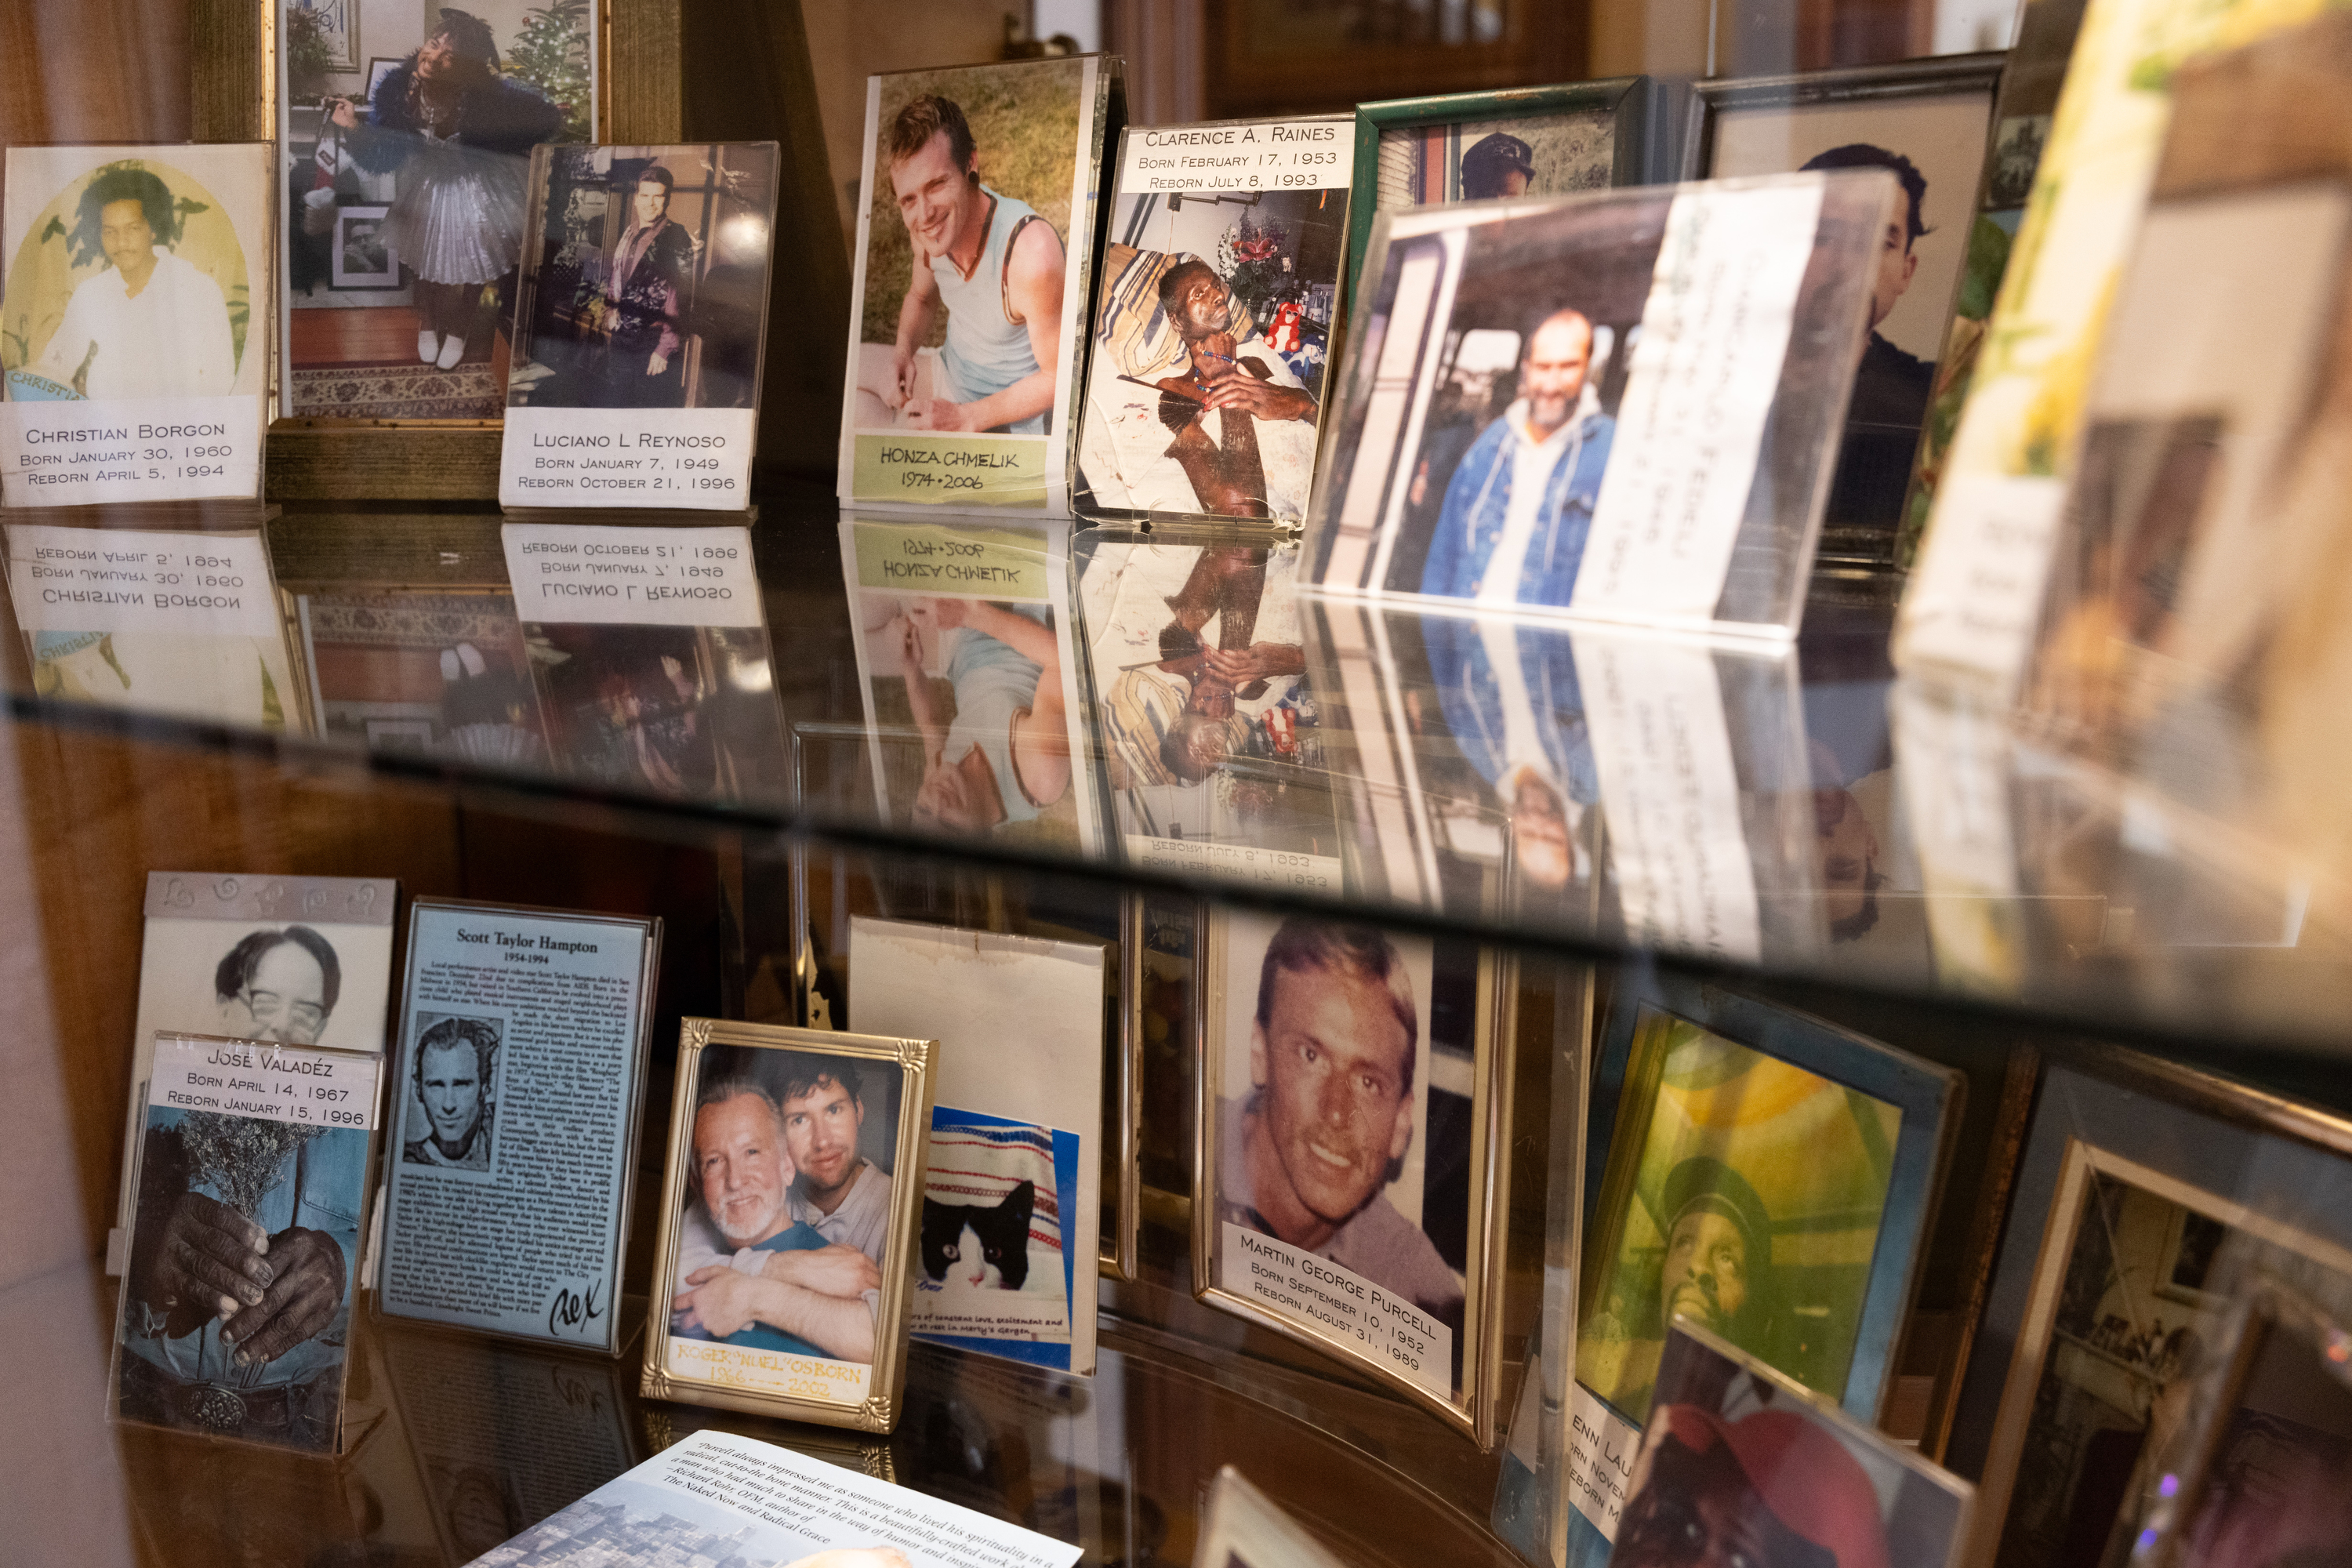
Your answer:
<point x="1640" y="136"/>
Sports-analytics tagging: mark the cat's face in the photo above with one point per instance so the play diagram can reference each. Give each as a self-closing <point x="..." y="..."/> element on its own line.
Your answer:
<point x="979" y="1245"/>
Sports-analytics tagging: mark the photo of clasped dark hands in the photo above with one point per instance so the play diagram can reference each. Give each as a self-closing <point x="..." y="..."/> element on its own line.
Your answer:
<point x="786" y="1228"/>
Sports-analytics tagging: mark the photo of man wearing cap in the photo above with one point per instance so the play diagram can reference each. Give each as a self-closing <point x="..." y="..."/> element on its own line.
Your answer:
<point x="1745" y="1196"/>
<point x="1499" y="165"/>
<point x="1485" y="160"/>
<point x="1734" y="1470"/>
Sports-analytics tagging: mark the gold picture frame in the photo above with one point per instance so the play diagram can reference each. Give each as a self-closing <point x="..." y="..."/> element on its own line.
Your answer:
<point x="233" y="82"/>
<point x="1472" y="1407"/>
<point x="877" y="1408"/>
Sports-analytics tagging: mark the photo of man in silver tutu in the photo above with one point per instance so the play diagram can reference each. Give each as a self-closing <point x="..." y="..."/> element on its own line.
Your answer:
<point x="457" y="136"/>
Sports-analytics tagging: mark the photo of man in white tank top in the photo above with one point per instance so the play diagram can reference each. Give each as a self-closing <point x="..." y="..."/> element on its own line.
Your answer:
<point x="994" y="262"/>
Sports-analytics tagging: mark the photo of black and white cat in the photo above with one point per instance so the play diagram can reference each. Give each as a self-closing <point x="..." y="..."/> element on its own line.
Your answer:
<point x="994" y="1266"/>
<point x="984" y="1246"/>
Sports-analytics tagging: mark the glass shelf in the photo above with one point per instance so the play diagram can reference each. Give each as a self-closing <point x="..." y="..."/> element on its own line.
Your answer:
<point x="1739" y="806"/>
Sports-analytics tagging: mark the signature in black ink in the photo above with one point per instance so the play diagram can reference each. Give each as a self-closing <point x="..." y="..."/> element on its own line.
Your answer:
<point x="572" y="1310"/>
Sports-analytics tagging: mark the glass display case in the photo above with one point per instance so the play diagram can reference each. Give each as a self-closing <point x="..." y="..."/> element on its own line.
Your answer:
<point x="1151" y="953"/>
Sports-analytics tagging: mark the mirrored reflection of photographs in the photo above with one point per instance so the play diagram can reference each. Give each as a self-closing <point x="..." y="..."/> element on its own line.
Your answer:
<point x="1206" y="389"/>
<point x="456" y="1398"/>
<point x="970" y="679"/>
<point x="1341" y="1130"/>
<point x="443" y="675"/>
<point x="404" y="204"/>
<point x="1722" y="1158"/>
<point x="646" y="277"/>
<point x="1734" y="1466"/>
<point x="967" y="259"/>
<point x="133" y="272"/>
<point x="217" y="1193"/>
<point x="1934" y="143"/>
<point x="687" y="712"/>
<point x="1211" y="736"/>
<point x="2143" y="1317"/>
<point x="1477" y="159"/>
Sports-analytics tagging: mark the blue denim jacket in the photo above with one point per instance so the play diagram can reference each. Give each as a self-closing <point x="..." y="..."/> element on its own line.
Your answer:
<point x="1479" y="496"/>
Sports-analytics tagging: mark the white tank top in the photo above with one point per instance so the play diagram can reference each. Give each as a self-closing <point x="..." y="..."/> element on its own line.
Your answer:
<point x="987" y="350"/>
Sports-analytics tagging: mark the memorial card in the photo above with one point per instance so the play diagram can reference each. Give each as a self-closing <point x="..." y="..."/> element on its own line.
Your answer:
<point x="1211" y="339"/>
<point x="650" y="655"/>
<point x="406" y="170"/>
<point x="974" y="253"/>
<point x="1347" y="1167"/>
<point x="1210" y="732"/>
<point x="638" y="327"/>
<point x="251" y="1168"/>
<point x="789" y="1239"/>
<point x="180" y="624"/>
<point x="967" y="659"/>
<point x="296" y="961"/>
<point x="1013" y="1192"/>
<point x="718" y="1498"/>
<point x="516" y="1083"/>
<point x="1740" y="1464"/>
<point x="135" y="337"/>
<point x="1673" y="364"/>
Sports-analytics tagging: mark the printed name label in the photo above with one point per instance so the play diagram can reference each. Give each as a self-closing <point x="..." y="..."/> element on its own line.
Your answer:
<point x="1313" y="1290"/>
<point x="696" y="459"/>
<point x="935" y="558"/>
<point x="1600" y="1448"/>
<point x="932" y="469"/>
<point x="130" y="580"/>
<point x="771" y="1372"/>
<point x="1269" y="155"/>
<point x="1237" y="863"/>
<point x="75" y="453"/>
<point x="607" y="575"/>
<point x="277" y="1083"/>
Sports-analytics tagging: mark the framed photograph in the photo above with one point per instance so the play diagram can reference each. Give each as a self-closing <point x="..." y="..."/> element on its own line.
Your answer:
<point x="298" y="960"/>
<point x="1211" y="739"/>
<point x="363" y="255"/>
<point x="1683" y="413"/>
<point x="428" y="341"/>
<point x="250" y="1162"/>
<point x="516" y="1022"/>
<point x="2259" y="1470"/>
<point x="1929" y="123"/>
<point x="1741" y="1460"/>
<point x="1350" y="1179"/>
<point x="968" y="658"/>
<point x="640" y="319"/>
<point x="2149" y="1198"/>
<point x="1734" y="1126"/>
<point x="789" y="1223"/>
<point x="1222" y="263"/>
<point x="328" y="31"/>
<point x="974" y="263"/>
<point x="142" y="275"/>
<point x="1013" y="1191"/>
<point x="1523" y="142"/>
